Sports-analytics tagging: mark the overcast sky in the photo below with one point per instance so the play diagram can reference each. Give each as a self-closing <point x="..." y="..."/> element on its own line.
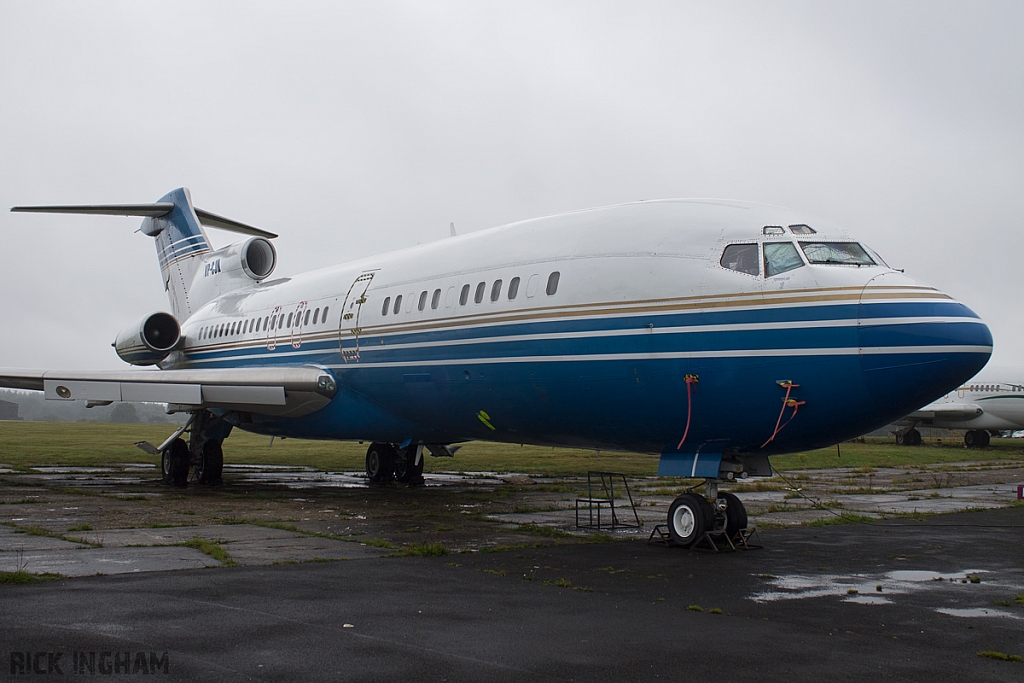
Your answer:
<point x="355" y="128"/>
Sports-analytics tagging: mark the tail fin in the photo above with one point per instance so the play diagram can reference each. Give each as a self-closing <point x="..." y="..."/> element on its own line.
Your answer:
<point x="180" y="244"/>
<point x="177" y="228"/>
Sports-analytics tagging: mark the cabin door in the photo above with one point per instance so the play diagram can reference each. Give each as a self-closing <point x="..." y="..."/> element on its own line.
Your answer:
<point x="349" y="330"/>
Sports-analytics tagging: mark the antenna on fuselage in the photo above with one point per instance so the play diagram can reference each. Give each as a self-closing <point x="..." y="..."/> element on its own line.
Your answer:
<point x="452" y="228"/>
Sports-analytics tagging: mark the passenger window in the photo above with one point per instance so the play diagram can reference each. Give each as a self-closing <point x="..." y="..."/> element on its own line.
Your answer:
<point x="422" y="302"/>
<point x="306" y="320"/>
<point x="409" y="302"/>
<point x="780" y="257"/>
<point x="266" y="321"/>
<point x="384" y="307"/>
<point x="513" y="288"/>
<point x="323" y="318"/>
<point x="464" y="296"/>
<point x="479" y="296"/>
<point x="257" y="325"/>
<point x="435" y="300"/>
<point x="449" y="297"/>
<point x="290" y="319"/>
<point x="316" y="315"/>
<point x="836" y="253"/>
<point x="398" y="304"/>
<point x="741" y="258"/>
<point x="496" y="290"/>
<point x="552" y="283"/>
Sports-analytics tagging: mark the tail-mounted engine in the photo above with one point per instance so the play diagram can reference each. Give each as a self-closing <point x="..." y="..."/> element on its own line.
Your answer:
<point x="255" y="257"/>
<point x="148" y="341"/>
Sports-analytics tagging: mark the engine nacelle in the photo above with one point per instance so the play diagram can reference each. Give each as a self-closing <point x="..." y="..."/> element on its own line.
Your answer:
<point x="255" y="257"/>
<point x="148" y="341"/>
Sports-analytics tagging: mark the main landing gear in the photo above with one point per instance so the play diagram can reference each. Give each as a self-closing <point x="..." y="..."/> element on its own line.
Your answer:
<point x="202" y="456"/>
<point x="908" y="437"/>
<point x="976" y="438"/>
<point x="691" y="515"/>
<point x="385" y="462"/>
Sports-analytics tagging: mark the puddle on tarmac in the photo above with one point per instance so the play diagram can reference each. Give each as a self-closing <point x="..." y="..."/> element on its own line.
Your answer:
<point x="863" y="589"/>
<point x="977" y="612"/>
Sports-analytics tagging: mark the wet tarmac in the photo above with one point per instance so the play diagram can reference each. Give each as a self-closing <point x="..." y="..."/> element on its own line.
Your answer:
<point x="896" y="601"/>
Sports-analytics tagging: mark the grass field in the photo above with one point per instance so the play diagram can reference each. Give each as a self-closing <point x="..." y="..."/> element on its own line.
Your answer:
<point x="25" y="444"/>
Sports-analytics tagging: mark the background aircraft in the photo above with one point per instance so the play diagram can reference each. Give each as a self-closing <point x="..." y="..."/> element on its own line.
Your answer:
<point x="991" y="402"/>
<point x="713" y="333"/>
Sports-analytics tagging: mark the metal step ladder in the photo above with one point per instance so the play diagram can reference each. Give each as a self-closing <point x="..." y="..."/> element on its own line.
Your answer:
<point x="601" y="497"/>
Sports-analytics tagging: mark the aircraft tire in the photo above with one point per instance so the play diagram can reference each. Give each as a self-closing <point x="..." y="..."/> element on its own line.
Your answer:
<point x="913" y="438"/>
<point x="380" y="462"/>
<point x="735" y="513"/>
<point x="976" y="438"/>
<point x="406" y="469"/>
<point x="211" y="463"/>
<point x="687" y="519"/>
<point x="165" y="467"/>
<point x="178" y="456"/>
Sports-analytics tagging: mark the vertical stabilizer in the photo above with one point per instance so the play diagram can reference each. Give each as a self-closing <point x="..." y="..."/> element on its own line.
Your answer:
<point x="181" y="244"/>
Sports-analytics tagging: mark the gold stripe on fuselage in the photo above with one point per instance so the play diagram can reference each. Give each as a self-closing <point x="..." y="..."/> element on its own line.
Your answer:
<point x="632" y="308"/>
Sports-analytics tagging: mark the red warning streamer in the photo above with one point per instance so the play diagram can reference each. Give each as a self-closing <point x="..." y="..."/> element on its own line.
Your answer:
<point x="690" y="379"/>
<point x="787" y="401"/>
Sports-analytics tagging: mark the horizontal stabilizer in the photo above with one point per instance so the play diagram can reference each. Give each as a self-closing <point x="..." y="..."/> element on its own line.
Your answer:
<point x="215" y="221"/>
<point x="153" y="210"/>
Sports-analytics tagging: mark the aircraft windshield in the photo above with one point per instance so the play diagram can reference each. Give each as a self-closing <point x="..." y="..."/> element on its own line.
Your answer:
<point x="780" y="257"/>
<point x="841" y="253"/>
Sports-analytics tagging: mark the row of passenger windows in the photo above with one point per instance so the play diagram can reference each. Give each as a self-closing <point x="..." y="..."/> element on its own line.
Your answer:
<point x="478" y="295"/>
<point x="780" y="257"/>
<point x="995" y="387"/>
<point x="267" y="323"/>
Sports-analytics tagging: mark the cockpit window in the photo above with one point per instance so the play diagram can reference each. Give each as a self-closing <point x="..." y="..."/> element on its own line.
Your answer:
<point x="801" y="229"/>
<point x="841" y="253"/>
<point x="741" y="257"/>
<point x="780" y="257"/>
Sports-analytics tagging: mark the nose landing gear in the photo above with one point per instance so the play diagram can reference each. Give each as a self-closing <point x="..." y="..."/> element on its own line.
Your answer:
<point x="693" y="518"/>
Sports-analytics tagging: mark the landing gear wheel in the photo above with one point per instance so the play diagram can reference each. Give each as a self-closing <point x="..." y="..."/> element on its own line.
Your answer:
<point x="175" y="463"/>
<point x="735" y="513"/>
<point x="976" y="438"/>
<point x="911" y="437"/>
<point x="407" y="470"/>
<point x="687" y="519"/>
<point x="210" y="464"/>
<point x="165" y="467"/>
<point x="380" y="462"/>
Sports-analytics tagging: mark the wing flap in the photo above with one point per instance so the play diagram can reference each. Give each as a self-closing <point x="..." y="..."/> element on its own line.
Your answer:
<point x="290" y="391"/>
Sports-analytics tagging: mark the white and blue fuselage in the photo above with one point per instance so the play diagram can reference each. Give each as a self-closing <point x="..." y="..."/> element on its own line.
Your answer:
<point x="581" y="330"/>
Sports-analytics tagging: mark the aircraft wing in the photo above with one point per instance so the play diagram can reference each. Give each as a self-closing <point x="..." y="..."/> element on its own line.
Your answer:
<point x="947" y="412"/>
<point x="280" y="391"/>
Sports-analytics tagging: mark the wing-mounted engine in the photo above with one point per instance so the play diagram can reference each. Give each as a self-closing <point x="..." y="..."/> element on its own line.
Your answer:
<point x="233" y="267"/>
<point x="148" y="341"/>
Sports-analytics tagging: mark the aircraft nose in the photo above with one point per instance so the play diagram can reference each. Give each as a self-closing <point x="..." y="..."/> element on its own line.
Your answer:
<point x="916" y="343"/>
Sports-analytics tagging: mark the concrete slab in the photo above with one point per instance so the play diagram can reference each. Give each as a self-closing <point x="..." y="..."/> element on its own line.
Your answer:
<point x="91" y="561"/>
<point x="11" y="540"/>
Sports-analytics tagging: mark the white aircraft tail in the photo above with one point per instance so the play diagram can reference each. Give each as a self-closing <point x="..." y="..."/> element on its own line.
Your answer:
<point x="193" y="273"/>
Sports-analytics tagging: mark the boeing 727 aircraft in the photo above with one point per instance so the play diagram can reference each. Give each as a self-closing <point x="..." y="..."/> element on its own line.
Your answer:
<point x="987" y="403"/>
<point x="711" y="333"/>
